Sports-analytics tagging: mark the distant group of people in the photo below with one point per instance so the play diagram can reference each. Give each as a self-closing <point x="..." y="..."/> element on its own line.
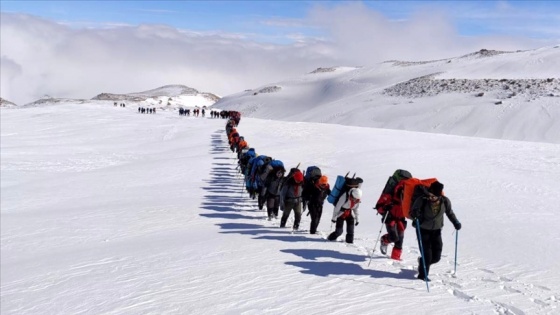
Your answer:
<point x="202" y="112"/>
<point x="403" y="197"/>
<point x="184" y="112"/>
<point x="120" y="104"/>
<point x="231" y="115"/>
<point x="149" y="110"/>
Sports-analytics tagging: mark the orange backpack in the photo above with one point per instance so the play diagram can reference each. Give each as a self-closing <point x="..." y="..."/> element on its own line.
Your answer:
<point x="408" y="186"/>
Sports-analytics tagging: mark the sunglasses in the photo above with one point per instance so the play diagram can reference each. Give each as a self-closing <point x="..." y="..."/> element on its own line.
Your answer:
<point x="433" y="197"/>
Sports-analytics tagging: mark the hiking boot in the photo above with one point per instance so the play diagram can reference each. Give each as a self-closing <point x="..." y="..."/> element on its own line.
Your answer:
<point x="396" y="253"/>
<point x="421" y="277"/>
<point x="383" y="245"/>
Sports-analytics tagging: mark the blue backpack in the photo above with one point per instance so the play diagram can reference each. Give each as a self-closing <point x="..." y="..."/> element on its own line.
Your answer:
<point x="312" y="174"/>
<point x="277" y="165"/>
<point x="342" y="185"/>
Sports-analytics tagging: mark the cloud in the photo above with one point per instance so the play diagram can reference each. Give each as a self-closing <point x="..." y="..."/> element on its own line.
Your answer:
<point x="61" y="61"/>
<point x="44" y="57"/>
<point x="10" y="71"/>
<point x="366" y="36"/>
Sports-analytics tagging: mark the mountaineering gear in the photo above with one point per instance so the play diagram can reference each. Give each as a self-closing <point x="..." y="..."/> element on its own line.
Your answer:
<point x="312" y="174"/>
<point x="290" y="196"/>
<point x="339" y="229"/>
<point x="314" y="196"/>
<point x="411" y="192"/>
<point x="377" y="240"/>
<point x="342" y="185"/>
<point x="384" y="243"/>
<point x="298" y="177"/>
<point x="436" y="188"/>
<point x="422" y="272"/>
<point x="429" y="222"/>
<point x="345" y="210"/>
<point x="323" y="181"/>
<point x="389" y="206"/>
<point x="456" y="241"/>
<point x="396" y="253"/>
<point x="356" y="193"/>
<point x="430" y="214"/>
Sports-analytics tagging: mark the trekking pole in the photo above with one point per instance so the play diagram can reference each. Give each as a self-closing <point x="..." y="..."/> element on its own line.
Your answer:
<point x="422" y="253"/>
<point x="456" y="240"/>
<point x="378" y="237"/>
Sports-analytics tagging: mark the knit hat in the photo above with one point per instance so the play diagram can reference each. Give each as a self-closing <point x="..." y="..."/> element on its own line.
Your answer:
<point x="323" y="181"/>
<point x="298" y="177"/>
<point x="436" y="188"/>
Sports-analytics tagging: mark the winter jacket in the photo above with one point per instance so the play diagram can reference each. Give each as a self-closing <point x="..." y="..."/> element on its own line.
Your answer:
<point x="291" y="192"/>
<point x="273" y="185"/>
<point x="314" y="195"/>
<point x="432" y="219"/>
<point x="344" y="203"/>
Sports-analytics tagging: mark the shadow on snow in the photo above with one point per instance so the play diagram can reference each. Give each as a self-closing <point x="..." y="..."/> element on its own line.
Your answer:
<point x="226" y="197"/>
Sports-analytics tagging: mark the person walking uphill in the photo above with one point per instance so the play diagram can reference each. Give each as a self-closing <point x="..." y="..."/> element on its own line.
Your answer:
<point x="389" y="206"/>
<point x="429" y="210"/>
<point x="346" y="210"/>
<point x="273" y="184"/>
<point x="290" y="197"/>
<point x="315" y="196"/>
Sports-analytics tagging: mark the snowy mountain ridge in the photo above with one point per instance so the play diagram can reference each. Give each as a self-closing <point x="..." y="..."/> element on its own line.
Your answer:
<point x="6" y="103"/>
<point x="521" y="88"/>
<point x="168" y="91"/>
<point x="168" y="96"/>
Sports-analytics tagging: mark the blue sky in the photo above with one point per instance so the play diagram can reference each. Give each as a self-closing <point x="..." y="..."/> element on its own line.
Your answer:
<point x="277" y="21"/>
<point x="78" y="49"/>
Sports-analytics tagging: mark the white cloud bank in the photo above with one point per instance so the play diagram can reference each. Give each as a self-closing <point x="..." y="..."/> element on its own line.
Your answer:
<point x="41" y="57"/>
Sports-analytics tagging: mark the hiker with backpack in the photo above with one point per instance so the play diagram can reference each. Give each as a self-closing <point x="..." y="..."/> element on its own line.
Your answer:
<point x="346" y="210"/>
<point x="389" y="206"/>
<point x="428" y="210"/>
<point x="273" y="184"/>
<point x="290" y="197"/>
<point x="314" y="195"/>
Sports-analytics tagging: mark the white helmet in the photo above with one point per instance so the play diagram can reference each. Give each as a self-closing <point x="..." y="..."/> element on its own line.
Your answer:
<point x="356" y="193"/>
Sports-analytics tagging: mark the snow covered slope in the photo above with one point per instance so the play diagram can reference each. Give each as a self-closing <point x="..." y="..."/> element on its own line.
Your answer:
<point x="491" y="94"/>
<point x="106" y="211"/>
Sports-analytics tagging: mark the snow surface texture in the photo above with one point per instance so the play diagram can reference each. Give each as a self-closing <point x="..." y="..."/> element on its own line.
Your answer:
<point x="491" y="94"/>
<point x="106" y="211"/>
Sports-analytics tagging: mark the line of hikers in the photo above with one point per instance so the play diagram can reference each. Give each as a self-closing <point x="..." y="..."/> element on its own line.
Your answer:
<point x="420" y="200"/>
<point x="143" y="110"/>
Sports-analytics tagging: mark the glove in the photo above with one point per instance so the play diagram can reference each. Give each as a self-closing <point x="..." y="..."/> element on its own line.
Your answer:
<point x="357" y="223"/>
<point x="304" y="205"/>
<point x="333" y="221"/>
<point x="386" y="217"/>
<point x="457" y="225"/>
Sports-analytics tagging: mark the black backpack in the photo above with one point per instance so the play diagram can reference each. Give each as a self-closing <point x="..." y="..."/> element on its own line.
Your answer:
<point x="392" y="182"/>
